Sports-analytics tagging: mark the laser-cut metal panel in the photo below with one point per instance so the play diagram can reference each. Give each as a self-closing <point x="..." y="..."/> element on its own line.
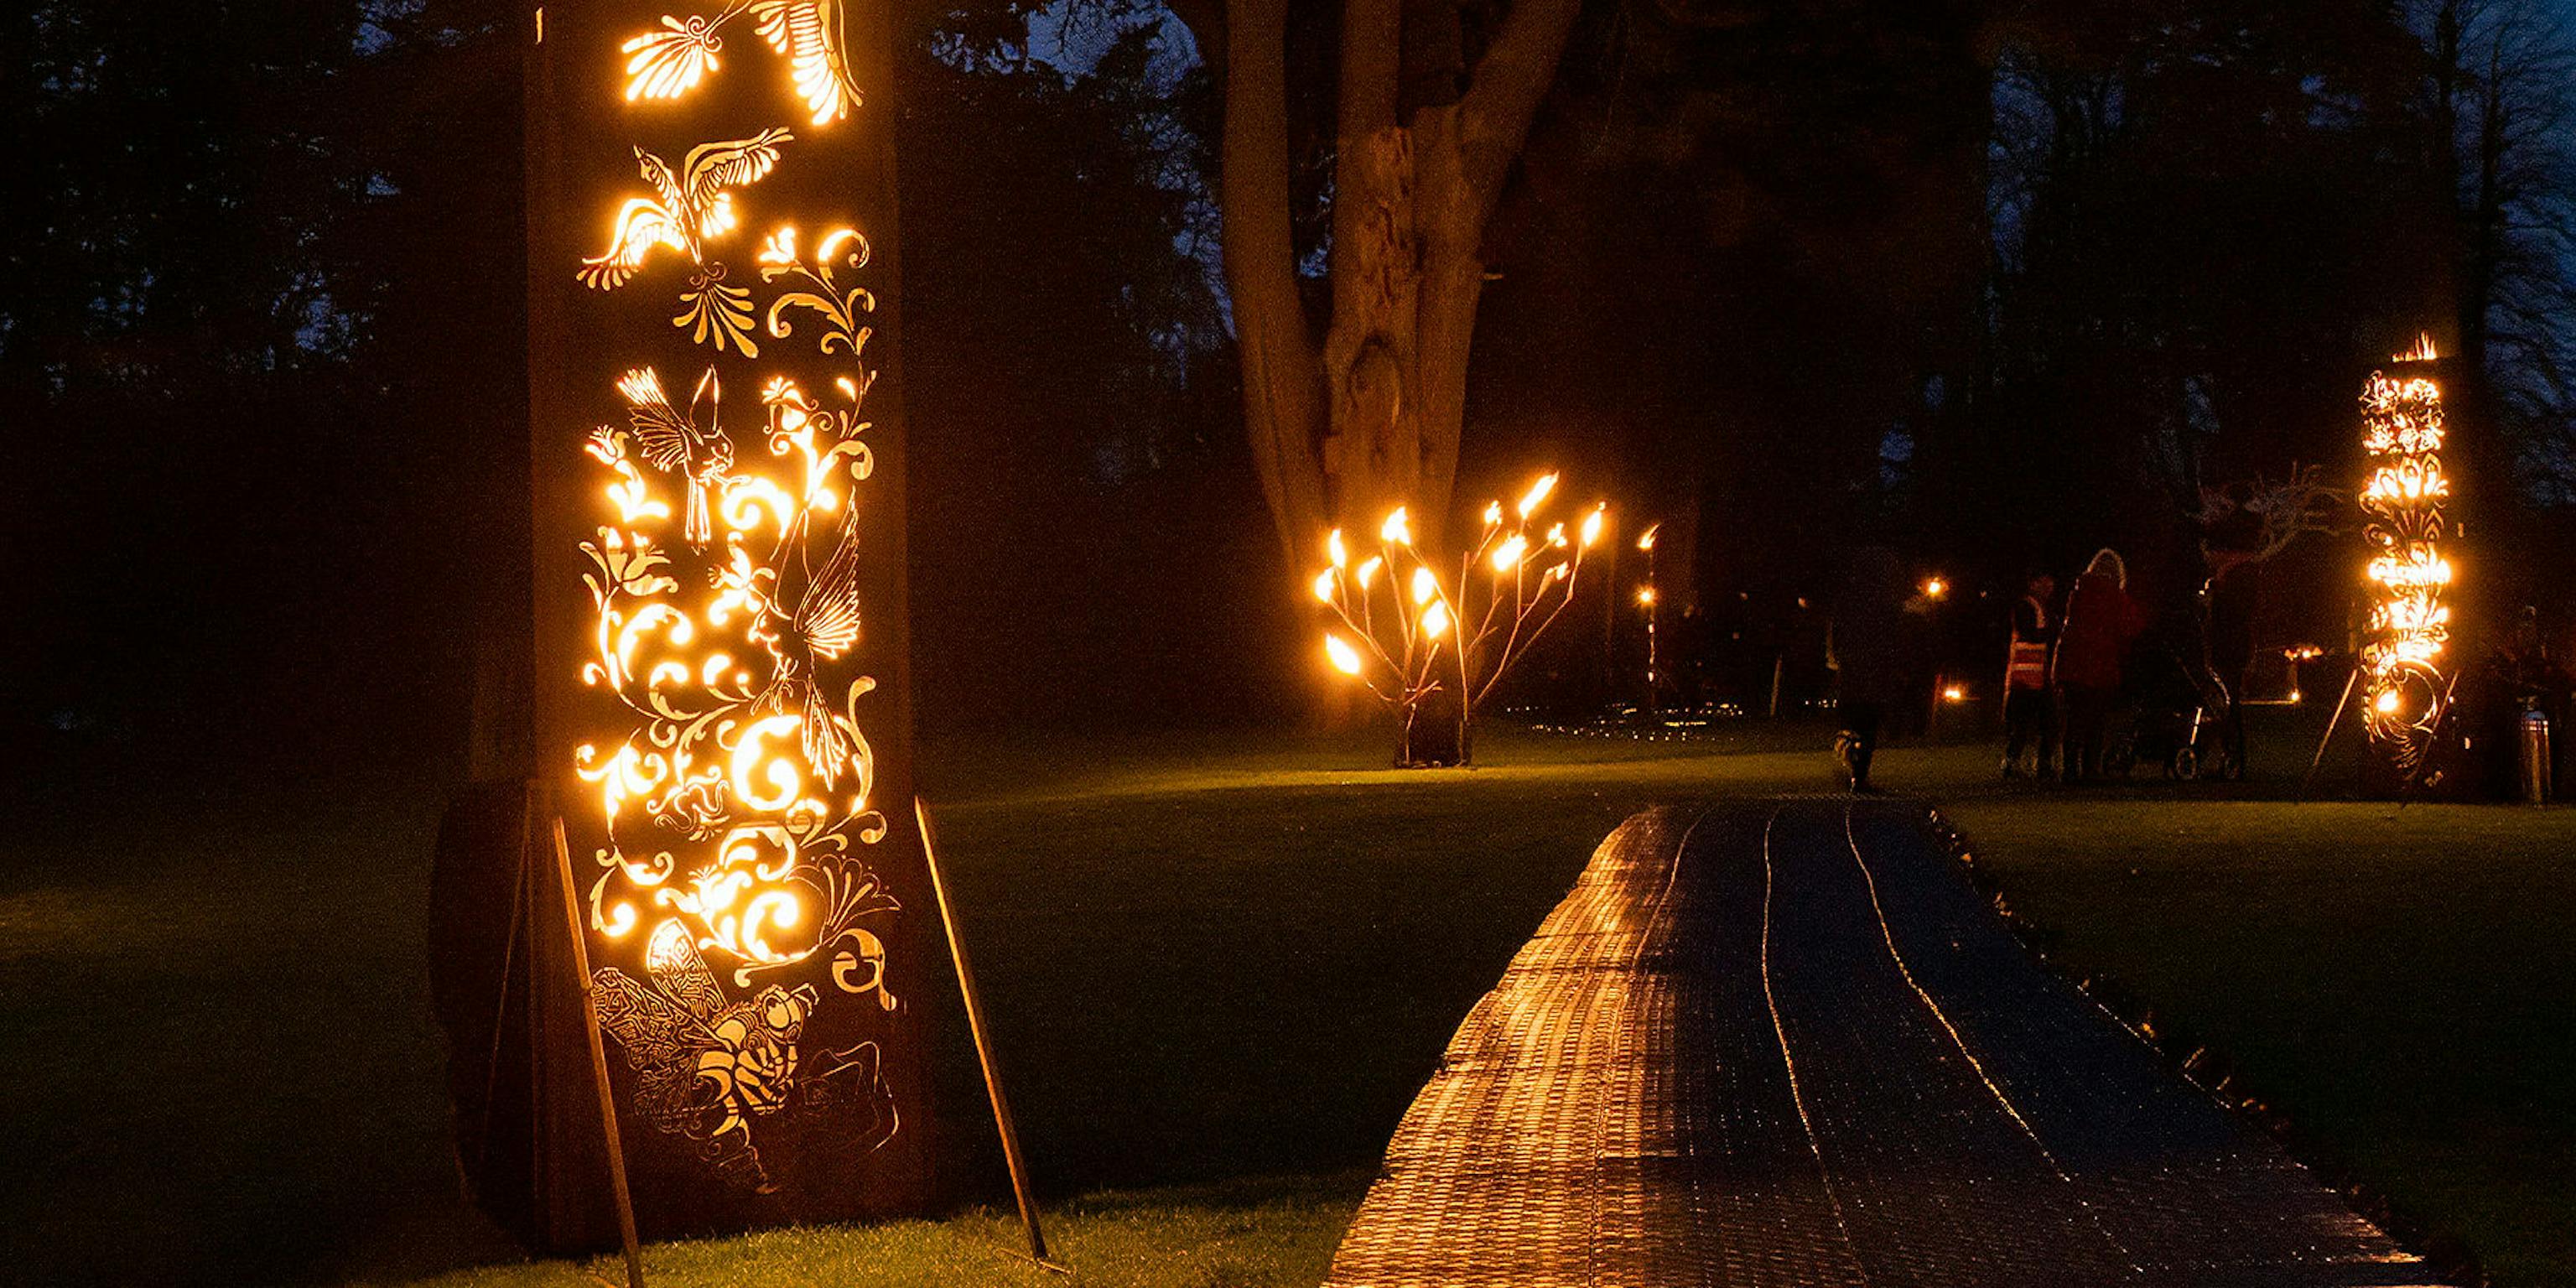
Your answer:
<point x="722" y="656"/>
<point x="2405" y="687"/>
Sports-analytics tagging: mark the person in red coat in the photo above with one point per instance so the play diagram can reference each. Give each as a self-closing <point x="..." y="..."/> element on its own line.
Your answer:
<point x="2101" y="622"/>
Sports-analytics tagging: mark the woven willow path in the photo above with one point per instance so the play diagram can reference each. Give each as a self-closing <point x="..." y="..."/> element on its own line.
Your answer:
<point x="1785" y="1043"/>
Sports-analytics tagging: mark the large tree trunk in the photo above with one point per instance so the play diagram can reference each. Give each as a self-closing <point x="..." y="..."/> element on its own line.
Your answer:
<point x="1371" y="417"/>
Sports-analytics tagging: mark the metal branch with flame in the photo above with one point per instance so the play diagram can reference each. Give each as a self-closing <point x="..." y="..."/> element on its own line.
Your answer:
<point x="1406" y="632"/>
<point x="2404" y="691"/>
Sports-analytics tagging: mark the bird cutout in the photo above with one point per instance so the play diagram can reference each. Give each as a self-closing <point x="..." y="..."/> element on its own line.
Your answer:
<point x="671" y="61"/>
<point x="704" y="1068"/>
<point x="689" y="207"/>
<point x="824" y="625"/>
<point x="678" y="444"/>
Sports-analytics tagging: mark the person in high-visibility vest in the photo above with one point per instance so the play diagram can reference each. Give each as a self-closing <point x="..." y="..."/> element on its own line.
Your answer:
<point x="2030" y="716"/>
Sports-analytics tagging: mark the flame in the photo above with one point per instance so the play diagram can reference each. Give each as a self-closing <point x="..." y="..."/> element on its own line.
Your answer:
<point x="1646" y="539"/>
<point x="1344" y="658"/>
<point x="1398" y="528"/>
<point x="1334" y="550"/>
<point x="1592" y="524"/>
<point x="1537" y="493"/>
<point x="1368" y="572"/>
<point x="1324" y="586"/>
<point x="2422" y="352"/>
<point x="1435" y="620"/>
<point x="1493" y="514"/>
<point x="1425" y="586"/>
<point x="1507" y="556"/>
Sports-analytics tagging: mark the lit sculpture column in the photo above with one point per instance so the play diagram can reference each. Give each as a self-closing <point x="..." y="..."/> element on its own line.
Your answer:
<point x="2404" y="692"/>
<point x="722" y="663"/>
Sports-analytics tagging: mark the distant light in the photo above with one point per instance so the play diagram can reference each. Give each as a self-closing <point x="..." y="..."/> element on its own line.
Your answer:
<point x="1935" y="588"/>
<point x="1646" y="596"/>
<point x="1954" y="693"/>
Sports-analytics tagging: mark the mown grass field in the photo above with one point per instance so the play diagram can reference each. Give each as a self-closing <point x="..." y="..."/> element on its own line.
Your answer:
<point x="1219" y="967"/>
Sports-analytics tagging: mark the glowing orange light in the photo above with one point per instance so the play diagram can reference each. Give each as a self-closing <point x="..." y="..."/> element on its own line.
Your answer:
<point x="1398" y="528"/>
<point x="733" y="792"/>
<point x="1435" y="636"/>
<point x="1537" y="493"/>
<point x="2402" y="497"/>
<point x="1646" y="596"/>
<point x="671" y="62"/>
<point x="1646" y="539"/>
<point x="1953" y="693"/>
<point x="1934" y="588"/>
<point x="1344" y="658"/>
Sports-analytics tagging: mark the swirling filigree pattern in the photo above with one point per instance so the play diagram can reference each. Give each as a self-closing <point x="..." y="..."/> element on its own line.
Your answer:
<point x="734" y="798"/>
<point x="2404" y="692"/>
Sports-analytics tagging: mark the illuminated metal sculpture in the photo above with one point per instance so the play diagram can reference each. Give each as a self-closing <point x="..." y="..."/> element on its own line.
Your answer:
<point x="670" y="62"/>
<point x="2403" y="690"/>
<point x="716" y="473"/>
<point x="1407" y="633"/>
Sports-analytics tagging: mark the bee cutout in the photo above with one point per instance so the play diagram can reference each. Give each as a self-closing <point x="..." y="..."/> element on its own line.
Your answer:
<point x="706" y="1069"/>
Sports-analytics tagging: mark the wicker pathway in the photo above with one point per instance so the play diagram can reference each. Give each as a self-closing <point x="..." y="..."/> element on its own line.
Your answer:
<point x="1784" y="1043"/>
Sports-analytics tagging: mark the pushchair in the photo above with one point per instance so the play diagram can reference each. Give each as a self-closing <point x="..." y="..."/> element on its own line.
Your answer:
<point x="2172" y="721"/>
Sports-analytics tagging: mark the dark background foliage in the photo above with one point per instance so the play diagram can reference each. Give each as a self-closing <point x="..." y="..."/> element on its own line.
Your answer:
<point x="2001" y="282"/>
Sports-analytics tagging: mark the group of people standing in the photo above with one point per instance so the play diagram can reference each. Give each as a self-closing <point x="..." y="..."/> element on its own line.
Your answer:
<point x="2062" y="668"/>
<point x="2063" y="674"/>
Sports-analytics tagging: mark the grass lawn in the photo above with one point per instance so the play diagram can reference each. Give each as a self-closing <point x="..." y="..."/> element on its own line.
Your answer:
<point x="1219" y="968"/>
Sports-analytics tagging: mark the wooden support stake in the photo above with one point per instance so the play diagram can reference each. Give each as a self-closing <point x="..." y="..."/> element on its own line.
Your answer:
<point x="983" y="1049"/>
<point x="2350" y="682"/>
<point x="598" y="1061"/>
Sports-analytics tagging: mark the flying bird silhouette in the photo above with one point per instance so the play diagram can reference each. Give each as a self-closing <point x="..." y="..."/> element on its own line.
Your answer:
<point x="677" y="444"/>
<point x="688" y="207"/>
<point x="824" y="626"/>
<point x="808" y="32"/>
<point x="671" y="61"/>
